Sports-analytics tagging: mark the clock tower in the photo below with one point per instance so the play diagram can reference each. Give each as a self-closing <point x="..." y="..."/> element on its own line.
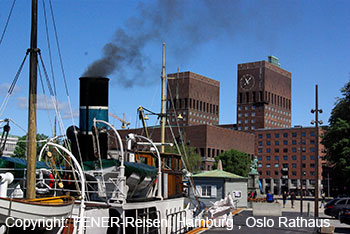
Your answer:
<point x="263" y="95"/>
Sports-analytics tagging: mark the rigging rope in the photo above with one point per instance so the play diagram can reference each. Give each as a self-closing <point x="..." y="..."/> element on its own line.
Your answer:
<point x="65" y="82"/>
<point x="49" y="49"/>
<point x="13" y="84"/>
<point x="7" y="22"/>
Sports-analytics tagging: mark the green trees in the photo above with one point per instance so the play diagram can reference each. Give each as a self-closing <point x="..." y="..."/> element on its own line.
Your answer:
<point x="193" y="159"/>
<point x="337" y="139"/>
<point x="20" y="150"/>
<point x="235" y="162"/>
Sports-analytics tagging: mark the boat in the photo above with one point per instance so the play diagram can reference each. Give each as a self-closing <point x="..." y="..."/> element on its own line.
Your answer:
<point x="37" y="209"/>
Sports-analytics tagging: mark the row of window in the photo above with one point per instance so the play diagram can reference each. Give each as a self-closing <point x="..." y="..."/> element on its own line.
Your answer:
<point x="285" y="165"/>
<point x="285" y="142"/>
<point x="285" y="157"/>
<point x="270" y="108"/>
<point x="194" y="104"/>
<point x="246" y="121"/>
<point x="277" y="117"/>
<point x="246" y="114"/>
<point x="203" y="116"/>
<point x="255" y="96"/>
<point x="285" y="150"/>
<point x="277" y="135"/>
<point x="246" y="108"/>
<point x="277" y="124"/>
<point x="293" y="173"/>
<point x="246" y="128"/>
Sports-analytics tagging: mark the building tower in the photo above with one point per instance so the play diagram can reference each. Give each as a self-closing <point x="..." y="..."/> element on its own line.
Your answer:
<point x="193" y="97"/>
<point x="263" y="95"/>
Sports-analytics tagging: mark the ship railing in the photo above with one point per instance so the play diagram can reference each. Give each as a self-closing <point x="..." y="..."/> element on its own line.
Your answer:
<point x="177" y="222"/>
<point x="147" y="216"/>
<point x="70" y="185"/>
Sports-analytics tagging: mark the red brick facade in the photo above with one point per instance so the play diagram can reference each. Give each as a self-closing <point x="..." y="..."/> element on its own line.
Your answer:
<point x="293" y="149"/>
<point x="193" y="96"/>
<point x="263" y="96"/>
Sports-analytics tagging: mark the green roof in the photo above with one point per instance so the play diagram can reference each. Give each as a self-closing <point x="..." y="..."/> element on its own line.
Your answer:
<point x="218" y="174"/>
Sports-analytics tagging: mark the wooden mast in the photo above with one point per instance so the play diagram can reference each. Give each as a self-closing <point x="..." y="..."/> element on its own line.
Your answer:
<point x="31" y="146"/>
<point x="162" y="112"/>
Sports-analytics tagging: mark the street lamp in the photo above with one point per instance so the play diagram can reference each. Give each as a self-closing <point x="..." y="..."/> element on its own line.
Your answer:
<point x="316" y="122"/>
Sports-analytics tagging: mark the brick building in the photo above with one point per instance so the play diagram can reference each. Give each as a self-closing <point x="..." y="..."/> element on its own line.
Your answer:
<point x="263" y="95"/>
<point x="195" y="97"/>
<point x="209" y="140"/>
<point x="287" y="156"/>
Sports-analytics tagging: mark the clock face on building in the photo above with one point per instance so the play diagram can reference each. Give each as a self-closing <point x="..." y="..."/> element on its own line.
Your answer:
<point x="247" y="81"/>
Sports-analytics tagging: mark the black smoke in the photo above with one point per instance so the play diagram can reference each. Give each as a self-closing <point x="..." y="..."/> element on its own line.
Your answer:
<point x="186" y="24"/>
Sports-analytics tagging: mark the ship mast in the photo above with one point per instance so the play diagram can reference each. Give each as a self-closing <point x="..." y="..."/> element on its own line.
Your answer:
<point x="162" y="111"/>
<point x="31" y="146"/>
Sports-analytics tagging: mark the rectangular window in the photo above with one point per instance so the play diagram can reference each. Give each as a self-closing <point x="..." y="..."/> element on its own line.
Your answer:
<point x="268" y="165"/>
<point x="294" y="173"/>
<point x="260" y="136"/>
<point x="285" y="165"/>
<point x="312" y="165"/>
<point x="285" y="142"/>
<point x="285" y="150"/>
<point x="277" y="135"/>
<point x="259" y="150"/>
<point x="294" y="157"/>
<point x="259" y="158"/>
<point x="268" y="173"/>
<point x="294" y="142"/>
<point x="294" y="165"/>
<point x="285" y="134"/>
<point x="303" y="134"/>
<point x="294" y="134"/>
<point x="312" y="134"/>
<point x="277" y="142"/>
<point x="276" y="165"/>
<point x="303" y="157"/>
<point x="312" y="142"/>
<point x="312" y="157"/>
<point x="268" y="150"/>
<point x="268" y="135"/>
<point x="277" y="150"/>
<point x="207" y="190"/>
<point x="312" y="149"/>
<point x="277" y="158"/>
<point x="285" y="157"/>
<point x="268" y="158"/>
<point x="268" y="142"/>
<point x="294" y="150"/>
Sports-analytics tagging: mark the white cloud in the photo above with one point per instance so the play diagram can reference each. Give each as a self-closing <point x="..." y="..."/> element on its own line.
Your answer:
<point x="47" y="103"/>
<point x="4" y="88"/>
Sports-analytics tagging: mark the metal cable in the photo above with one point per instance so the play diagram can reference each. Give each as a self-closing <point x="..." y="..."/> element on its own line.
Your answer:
<point x="13" y="84"/>
<point x="49" y="49"/>
<point x="7" y="22"/>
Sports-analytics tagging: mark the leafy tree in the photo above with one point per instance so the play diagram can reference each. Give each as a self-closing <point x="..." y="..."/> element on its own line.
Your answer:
<point x="234" y="161"/>
<point x="193" y="158"/>
<point x="337" y="139"/>
<point x="21" y="146"/>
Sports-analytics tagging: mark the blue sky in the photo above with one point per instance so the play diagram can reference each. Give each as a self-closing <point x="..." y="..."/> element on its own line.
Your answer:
<point x="208" y="37"/>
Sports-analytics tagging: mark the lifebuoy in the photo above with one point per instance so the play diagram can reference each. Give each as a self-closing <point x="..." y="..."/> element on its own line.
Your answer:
<point x="52" y="180"/>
